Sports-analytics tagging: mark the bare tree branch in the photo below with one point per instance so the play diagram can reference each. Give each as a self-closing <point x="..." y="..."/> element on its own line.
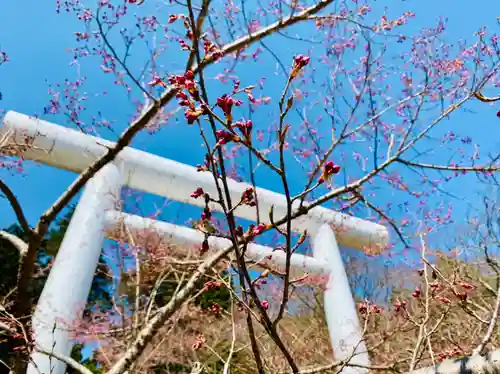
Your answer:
<point x="484" y="99"/>
<point x="5" y="327"/>
<point x="20" y="244"/>
<point x="15" y="205"/>
<point x="23" y="303"/>
<point x="154" y="107"/>
<point x="339" y="364"/>
<point x="67" y="360"/>
<point x="475" y="364"/>
<point x="491" y="328"/>
<point x="484" y="169"/>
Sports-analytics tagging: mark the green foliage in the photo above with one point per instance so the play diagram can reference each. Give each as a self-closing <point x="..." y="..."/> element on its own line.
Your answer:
<point x="218" y="295"/>
<point x="212" y="363"/>
<point x="90" y="363"/>
<point x="9" y="260"/>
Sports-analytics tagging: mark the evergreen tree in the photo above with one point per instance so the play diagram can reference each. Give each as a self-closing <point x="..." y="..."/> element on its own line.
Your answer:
<point x="99" y="296"/>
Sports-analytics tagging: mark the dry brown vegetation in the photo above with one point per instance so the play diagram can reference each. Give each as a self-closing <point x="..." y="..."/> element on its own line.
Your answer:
<point x="416" y="318"/>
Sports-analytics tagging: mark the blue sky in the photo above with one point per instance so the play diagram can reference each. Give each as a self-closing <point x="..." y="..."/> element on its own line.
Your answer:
<point x="37" y="39"/>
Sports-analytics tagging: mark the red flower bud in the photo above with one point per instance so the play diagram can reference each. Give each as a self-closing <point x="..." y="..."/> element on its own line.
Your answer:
<point x="199" y="342"/>
<point x="236" y="85"/>
<point x="328" y="170"/>
<point x="435" y="286"/>
<point x="189" y="84"/>
<point x="192" y="115"/>
<point x="399" y="305"/>
<point x="247" y="197"/>
<point x="204" y="247"/>
<point x="197" y="193"/>
<point x="362" y="308"/>
<point x="206" y="215"/>
<point x="259" y="229"/>
<point x="239" y="231"/>
<point x="224" y="137"/>
<point x="177" y="80"/>
<point x="245" y="127"/>
<point x="444" y="300"/>
<point x="226" y="102"/>
<point x="301" y="61"/>
<point x="181" y="95"/>
<point x="216" y="309"/>
<point x="416" y="293"/>
<point x="157" y="81"/>
<point x="461" y="295"/>
<point x="467" y="286"/>
<point x="331" y="168"/>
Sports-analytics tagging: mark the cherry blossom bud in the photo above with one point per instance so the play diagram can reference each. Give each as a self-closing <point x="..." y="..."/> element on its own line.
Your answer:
<point x="259" y="229"/>
<point x="247" y="198"/>
<point x="224" y="137"/>
<point x="416" y="293"/>
<point x="467" y="286"/>
<point x="444" y="300"/>
<point x="301" y="61"/>
<point x="461" y="295"/>
<point x="197" y="193"/>
<point x="362" y="308"/>
<point x="239" y="231"/>
<point x="328" y="170"/>
<point x="216" y="309"/>
<point x="200" y="341"/>
<point x="204" y="247"/>
<point x="157" y="81"/>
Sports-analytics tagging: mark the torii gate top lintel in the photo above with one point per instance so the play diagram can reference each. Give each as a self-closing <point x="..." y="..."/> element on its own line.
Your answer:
<point x="71" y="150"/>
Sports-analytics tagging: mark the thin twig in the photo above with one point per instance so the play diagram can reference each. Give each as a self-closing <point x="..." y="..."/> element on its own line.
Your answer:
<point x="16" y="206"/>
<point x="480" y="349"/>
<point x="483" y="169"/>
<point x="17" y="242"/>
<point x="67" y="360"/>
<point x="227" y="364"/>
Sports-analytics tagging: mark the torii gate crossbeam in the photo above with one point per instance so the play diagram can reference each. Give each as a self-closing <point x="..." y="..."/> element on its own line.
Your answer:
<point x="70" y="279"/>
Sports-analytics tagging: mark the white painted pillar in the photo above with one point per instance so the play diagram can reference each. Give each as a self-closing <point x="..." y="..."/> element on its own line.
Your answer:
<point x="340" y="308"/>
<point x="68" y="285"/>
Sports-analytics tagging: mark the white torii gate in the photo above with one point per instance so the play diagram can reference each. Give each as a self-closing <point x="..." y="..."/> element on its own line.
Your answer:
<point x="96" y="216"/>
